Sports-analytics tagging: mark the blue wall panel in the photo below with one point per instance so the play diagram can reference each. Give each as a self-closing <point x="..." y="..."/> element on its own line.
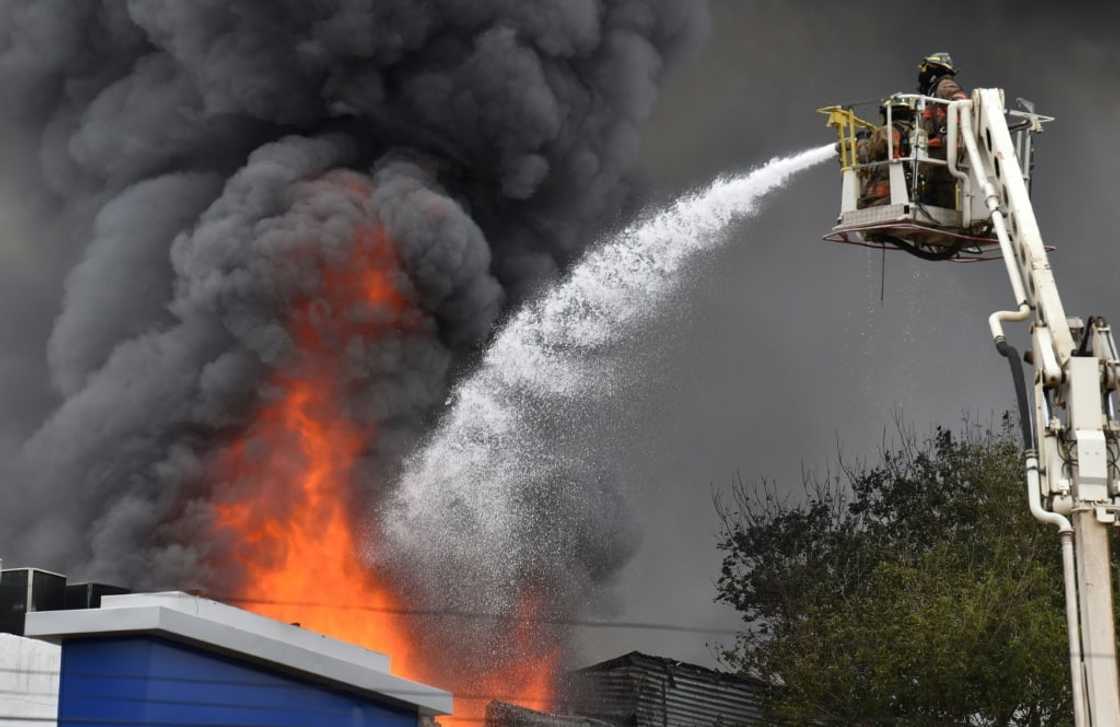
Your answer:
<point x="142" y="680"/>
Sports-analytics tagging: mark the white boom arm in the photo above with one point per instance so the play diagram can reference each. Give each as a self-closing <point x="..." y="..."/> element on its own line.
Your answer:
<point x="1073" y="451"/>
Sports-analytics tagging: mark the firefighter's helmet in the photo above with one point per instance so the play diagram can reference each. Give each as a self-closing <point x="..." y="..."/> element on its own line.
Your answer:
<point x="932" y="67"/>
<point x="942" y="62"/>
<point x="901" y="110"/>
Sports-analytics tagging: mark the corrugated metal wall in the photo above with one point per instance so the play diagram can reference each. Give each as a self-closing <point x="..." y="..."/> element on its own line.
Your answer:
<point x="642" y="691"/>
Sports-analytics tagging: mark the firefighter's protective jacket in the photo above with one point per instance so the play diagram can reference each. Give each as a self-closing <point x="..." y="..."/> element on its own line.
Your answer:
<point x="876" y="189"/>
<point x="947" y="88"/>
<point x="934" y="118"/>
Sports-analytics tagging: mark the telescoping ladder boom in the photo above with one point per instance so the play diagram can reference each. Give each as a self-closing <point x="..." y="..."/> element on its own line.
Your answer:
<point x="1072" y="452"/>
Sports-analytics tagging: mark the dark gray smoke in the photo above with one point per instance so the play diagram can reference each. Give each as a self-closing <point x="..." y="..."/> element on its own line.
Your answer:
<point x="181" y="173"/>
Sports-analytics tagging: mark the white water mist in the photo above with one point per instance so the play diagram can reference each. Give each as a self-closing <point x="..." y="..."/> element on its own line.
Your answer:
<point x="471" y="497"/>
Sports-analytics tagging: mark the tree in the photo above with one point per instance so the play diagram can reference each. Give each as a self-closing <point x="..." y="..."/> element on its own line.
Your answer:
<point x="918" y="591"/>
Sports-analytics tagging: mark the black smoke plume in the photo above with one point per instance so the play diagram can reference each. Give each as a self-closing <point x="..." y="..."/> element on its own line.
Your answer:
<point x="166" y="161"/>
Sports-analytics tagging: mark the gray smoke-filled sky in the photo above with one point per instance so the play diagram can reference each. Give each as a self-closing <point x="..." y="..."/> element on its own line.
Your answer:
<point x="212" y="206"/>
<point x="777" y="348"/>
<point x="781" y="350"/>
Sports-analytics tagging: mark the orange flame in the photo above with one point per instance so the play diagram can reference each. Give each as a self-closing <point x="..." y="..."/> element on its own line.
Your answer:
<point x="289" y="509"/>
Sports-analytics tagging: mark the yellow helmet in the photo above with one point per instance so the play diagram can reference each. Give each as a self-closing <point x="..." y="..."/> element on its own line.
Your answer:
<point x="942" y="61"/>
<point x="932" y="67"/>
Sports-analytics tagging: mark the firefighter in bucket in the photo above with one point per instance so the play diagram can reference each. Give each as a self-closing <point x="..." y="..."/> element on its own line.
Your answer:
<point x="872" y="148"/>
<point x="937" y="77"/>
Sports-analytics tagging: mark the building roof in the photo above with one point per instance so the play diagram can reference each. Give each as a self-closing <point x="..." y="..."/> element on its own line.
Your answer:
<point x="233" y="631"/>
<point x="504" y="714"/>
<point x="640" y="690"/>
<point x="637" y="658"/>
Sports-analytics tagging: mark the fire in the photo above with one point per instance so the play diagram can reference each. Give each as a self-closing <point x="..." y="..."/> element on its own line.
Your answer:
<point x="289" y="511"/>
<point x="309" y="552"/>
<point x="529" y="682"/>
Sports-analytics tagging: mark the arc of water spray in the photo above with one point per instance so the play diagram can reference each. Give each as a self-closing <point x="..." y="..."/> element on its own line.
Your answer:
<point x="458" y="493"/>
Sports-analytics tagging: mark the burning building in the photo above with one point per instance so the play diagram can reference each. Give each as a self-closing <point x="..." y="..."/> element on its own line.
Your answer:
<point x="286" y="229"/>
<point x="97" y="654"/>
<point x="639" y="690"/>
<point x="172" y="658"/>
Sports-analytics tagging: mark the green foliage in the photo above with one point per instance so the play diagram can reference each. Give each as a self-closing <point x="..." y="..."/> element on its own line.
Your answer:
<point x="918" y="591"/>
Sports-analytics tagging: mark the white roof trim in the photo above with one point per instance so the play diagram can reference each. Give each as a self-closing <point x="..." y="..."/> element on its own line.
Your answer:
<point x="40" y="570"/>
<point x="250" y="622"/>
<point x="239" y="632"/>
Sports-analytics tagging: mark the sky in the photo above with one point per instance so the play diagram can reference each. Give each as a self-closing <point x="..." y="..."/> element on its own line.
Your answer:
<point x="776" y="355"/>
<point x="780" y="356"/>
